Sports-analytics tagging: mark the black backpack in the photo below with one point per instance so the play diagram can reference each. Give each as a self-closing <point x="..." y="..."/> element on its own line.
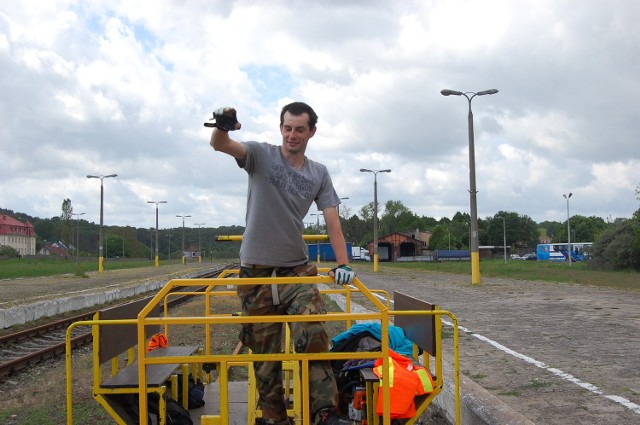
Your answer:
<point x="176" y="414"/>
<point x="195" y="392"/>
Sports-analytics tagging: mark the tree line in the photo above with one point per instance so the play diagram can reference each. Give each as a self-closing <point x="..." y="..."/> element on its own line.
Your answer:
<point x="616" y="244"/>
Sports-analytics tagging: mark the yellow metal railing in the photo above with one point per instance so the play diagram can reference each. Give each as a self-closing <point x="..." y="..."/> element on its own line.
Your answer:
<point x="380" y="312"/>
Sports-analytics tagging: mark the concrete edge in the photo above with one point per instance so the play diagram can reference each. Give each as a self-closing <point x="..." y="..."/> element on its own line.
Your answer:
<point x="477" y="405"/>
<point x="21" y="314"/>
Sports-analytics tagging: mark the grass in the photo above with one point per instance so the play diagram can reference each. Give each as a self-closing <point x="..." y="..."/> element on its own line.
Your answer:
<point x="579" y="273"/>
<point x="16" y="268"/>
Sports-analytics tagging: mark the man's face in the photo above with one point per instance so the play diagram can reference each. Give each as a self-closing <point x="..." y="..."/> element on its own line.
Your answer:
<point x="296" y="132"/>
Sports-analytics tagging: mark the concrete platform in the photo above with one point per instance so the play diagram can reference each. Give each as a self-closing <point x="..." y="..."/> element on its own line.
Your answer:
<point x="237" y="403"/>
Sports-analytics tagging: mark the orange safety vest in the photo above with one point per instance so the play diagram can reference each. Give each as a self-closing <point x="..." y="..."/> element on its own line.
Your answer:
<point x="407" y="380"/>
<point x="158" y="340"/>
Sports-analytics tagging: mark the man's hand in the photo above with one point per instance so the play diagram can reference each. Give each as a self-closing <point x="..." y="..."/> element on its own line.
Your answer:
<point x="224" y="119"/>
<point x="343" y="274"/>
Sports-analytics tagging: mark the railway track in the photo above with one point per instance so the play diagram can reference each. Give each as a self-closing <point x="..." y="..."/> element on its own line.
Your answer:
<point x="35" y="345"/>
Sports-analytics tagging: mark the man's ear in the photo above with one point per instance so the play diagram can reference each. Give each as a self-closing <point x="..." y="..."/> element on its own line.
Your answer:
<point x="313" y="131"/>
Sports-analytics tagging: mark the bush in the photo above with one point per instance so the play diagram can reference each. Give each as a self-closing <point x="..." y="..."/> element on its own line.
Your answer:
<point x="9" y="252"/>
<point x="619" y="248"/>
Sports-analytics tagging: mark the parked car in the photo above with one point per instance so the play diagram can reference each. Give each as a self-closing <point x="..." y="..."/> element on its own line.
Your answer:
<point x="529" y="256"/>
<point x="515" y="257"/>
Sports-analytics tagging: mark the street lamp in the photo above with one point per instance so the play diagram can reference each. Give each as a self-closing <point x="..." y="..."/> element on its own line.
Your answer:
<point x="184" y="260"/>
<point x="504" y="238"/>
<point x="318" y="230"/>
<point x="157" y="253"/>
<point x="375" y="213"/>
<point x="100" y="249"/>
<point x="169" y="236"/>
<point x="568" y="226"/>
<point x="475" y="248"/>
<point x="339" y="205"/>
<point x="199" y="251"/>
<point x="77" y="235"/>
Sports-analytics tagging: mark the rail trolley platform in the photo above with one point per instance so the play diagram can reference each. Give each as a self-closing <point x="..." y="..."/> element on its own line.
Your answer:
<point x="128" y="379"/>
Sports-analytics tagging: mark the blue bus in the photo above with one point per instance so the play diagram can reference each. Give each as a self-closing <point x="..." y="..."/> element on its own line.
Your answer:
<point x="580" y="251"/>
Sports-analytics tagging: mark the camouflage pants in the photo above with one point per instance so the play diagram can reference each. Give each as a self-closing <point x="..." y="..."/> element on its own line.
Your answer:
<point x="307" y="337"/>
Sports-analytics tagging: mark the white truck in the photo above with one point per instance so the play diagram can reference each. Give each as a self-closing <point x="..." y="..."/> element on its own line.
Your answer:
<point x="359" y="254"/>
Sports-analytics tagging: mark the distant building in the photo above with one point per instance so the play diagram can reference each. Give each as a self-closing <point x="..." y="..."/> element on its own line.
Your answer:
<point x="401" y="244"/>
<point x="18" y="235"/>
<point x="57" y="249"/>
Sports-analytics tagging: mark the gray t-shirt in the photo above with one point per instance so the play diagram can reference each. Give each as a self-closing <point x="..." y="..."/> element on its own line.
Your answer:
<point x="278" y="199"/>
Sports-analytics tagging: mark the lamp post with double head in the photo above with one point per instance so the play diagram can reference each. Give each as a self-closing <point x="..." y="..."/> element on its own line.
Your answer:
<point x="184" y="260"/>
<point x="100" y="248"/>
<point x="77" y="235"/>
<point x="318" y="214"/>
<point x="199" y="246"/>
<point x="169" y="236"/>
<point x="475" y="246"/>
<point x="375" y="213"/>
<point x="568" y="227"/>
<point x="157" y="253"/>
<point x="504" y="238"/>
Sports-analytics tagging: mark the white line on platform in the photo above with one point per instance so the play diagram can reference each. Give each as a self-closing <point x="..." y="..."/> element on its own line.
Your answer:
<point x="563" y="375"/>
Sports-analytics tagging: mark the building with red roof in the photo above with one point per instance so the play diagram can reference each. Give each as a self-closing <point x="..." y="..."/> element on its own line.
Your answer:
<point x="18" y="235"/>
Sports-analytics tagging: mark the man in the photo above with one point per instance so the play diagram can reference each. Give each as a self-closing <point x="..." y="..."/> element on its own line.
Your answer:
<point x="283" y="184"/>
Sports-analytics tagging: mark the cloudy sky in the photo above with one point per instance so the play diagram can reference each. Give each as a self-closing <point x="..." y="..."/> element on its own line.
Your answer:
<point x="104" y="87"/>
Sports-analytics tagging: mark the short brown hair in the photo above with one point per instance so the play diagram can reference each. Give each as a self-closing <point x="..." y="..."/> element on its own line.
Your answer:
<point x="297" y="109"/>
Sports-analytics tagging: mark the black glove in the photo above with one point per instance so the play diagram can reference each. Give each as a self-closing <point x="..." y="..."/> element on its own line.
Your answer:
<point x="224" y="119"/>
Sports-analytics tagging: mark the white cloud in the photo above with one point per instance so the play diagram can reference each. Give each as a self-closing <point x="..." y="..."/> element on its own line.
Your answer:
<point x="123" y="87"/>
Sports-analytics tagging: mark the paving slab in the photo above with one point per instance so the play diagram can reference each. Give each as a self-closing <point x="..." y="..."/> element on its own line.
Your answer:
<point x="556" y="353"/>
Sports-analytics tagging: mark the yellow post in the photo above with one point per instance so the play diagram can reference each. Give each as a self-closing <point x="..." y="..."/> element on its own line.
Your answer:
<point x="475" y="268"/>
<point x="375" y="262"/>
<point x="100" y="264"/>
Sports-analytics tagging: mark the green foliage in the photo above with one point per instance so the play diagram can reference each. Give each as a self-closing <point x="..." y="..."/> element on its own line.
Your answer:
<point x="618" y="247"/>
<point x="520" y="231"/>
<point x="583" y="229"/>
<point x="441" y="238"/>
<point x="9" y="251"/>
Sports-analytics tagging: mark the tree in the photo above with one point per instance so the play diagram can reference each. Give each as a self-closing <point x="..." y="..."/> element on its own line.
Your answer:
<point x="583" y="229"/>
<point x="66" y="216"/>
<point x="618" y="247"/>
<point x="521" y="231"/>
<point x="398" y="218"/>
<point x="441" y="238"/>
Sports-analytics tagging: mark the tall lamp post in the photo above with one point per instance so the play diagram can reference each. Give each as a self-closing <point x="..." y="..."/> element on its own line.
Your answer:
<point x="169" y="236"/>
<point x="157" y="253"/>
<point x="100" y="249"/>
<point x="77" y="235"/>
<point x="568" y="226"/>
<point x="184" y="260"/>
<point x="375" y="213"/>
<point x="504" y="238"/>
<point x="199" y="248"/>
<point x="318" y="229"/>
<point x="475" y="246"/>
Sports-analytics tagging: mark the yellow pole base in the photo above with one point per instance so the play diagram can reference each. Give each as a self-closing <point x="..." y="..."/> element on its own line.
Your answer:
<point x="375" y="263"/>
<point x="157" y="261"/>
<point x="475" y="268"/>
<point x="100" y="264"/>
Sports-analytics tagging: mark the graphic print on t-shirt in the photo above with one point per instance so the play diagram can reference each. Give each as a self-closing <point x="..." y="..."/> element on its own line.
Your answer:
<point x="289" y="180"/>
